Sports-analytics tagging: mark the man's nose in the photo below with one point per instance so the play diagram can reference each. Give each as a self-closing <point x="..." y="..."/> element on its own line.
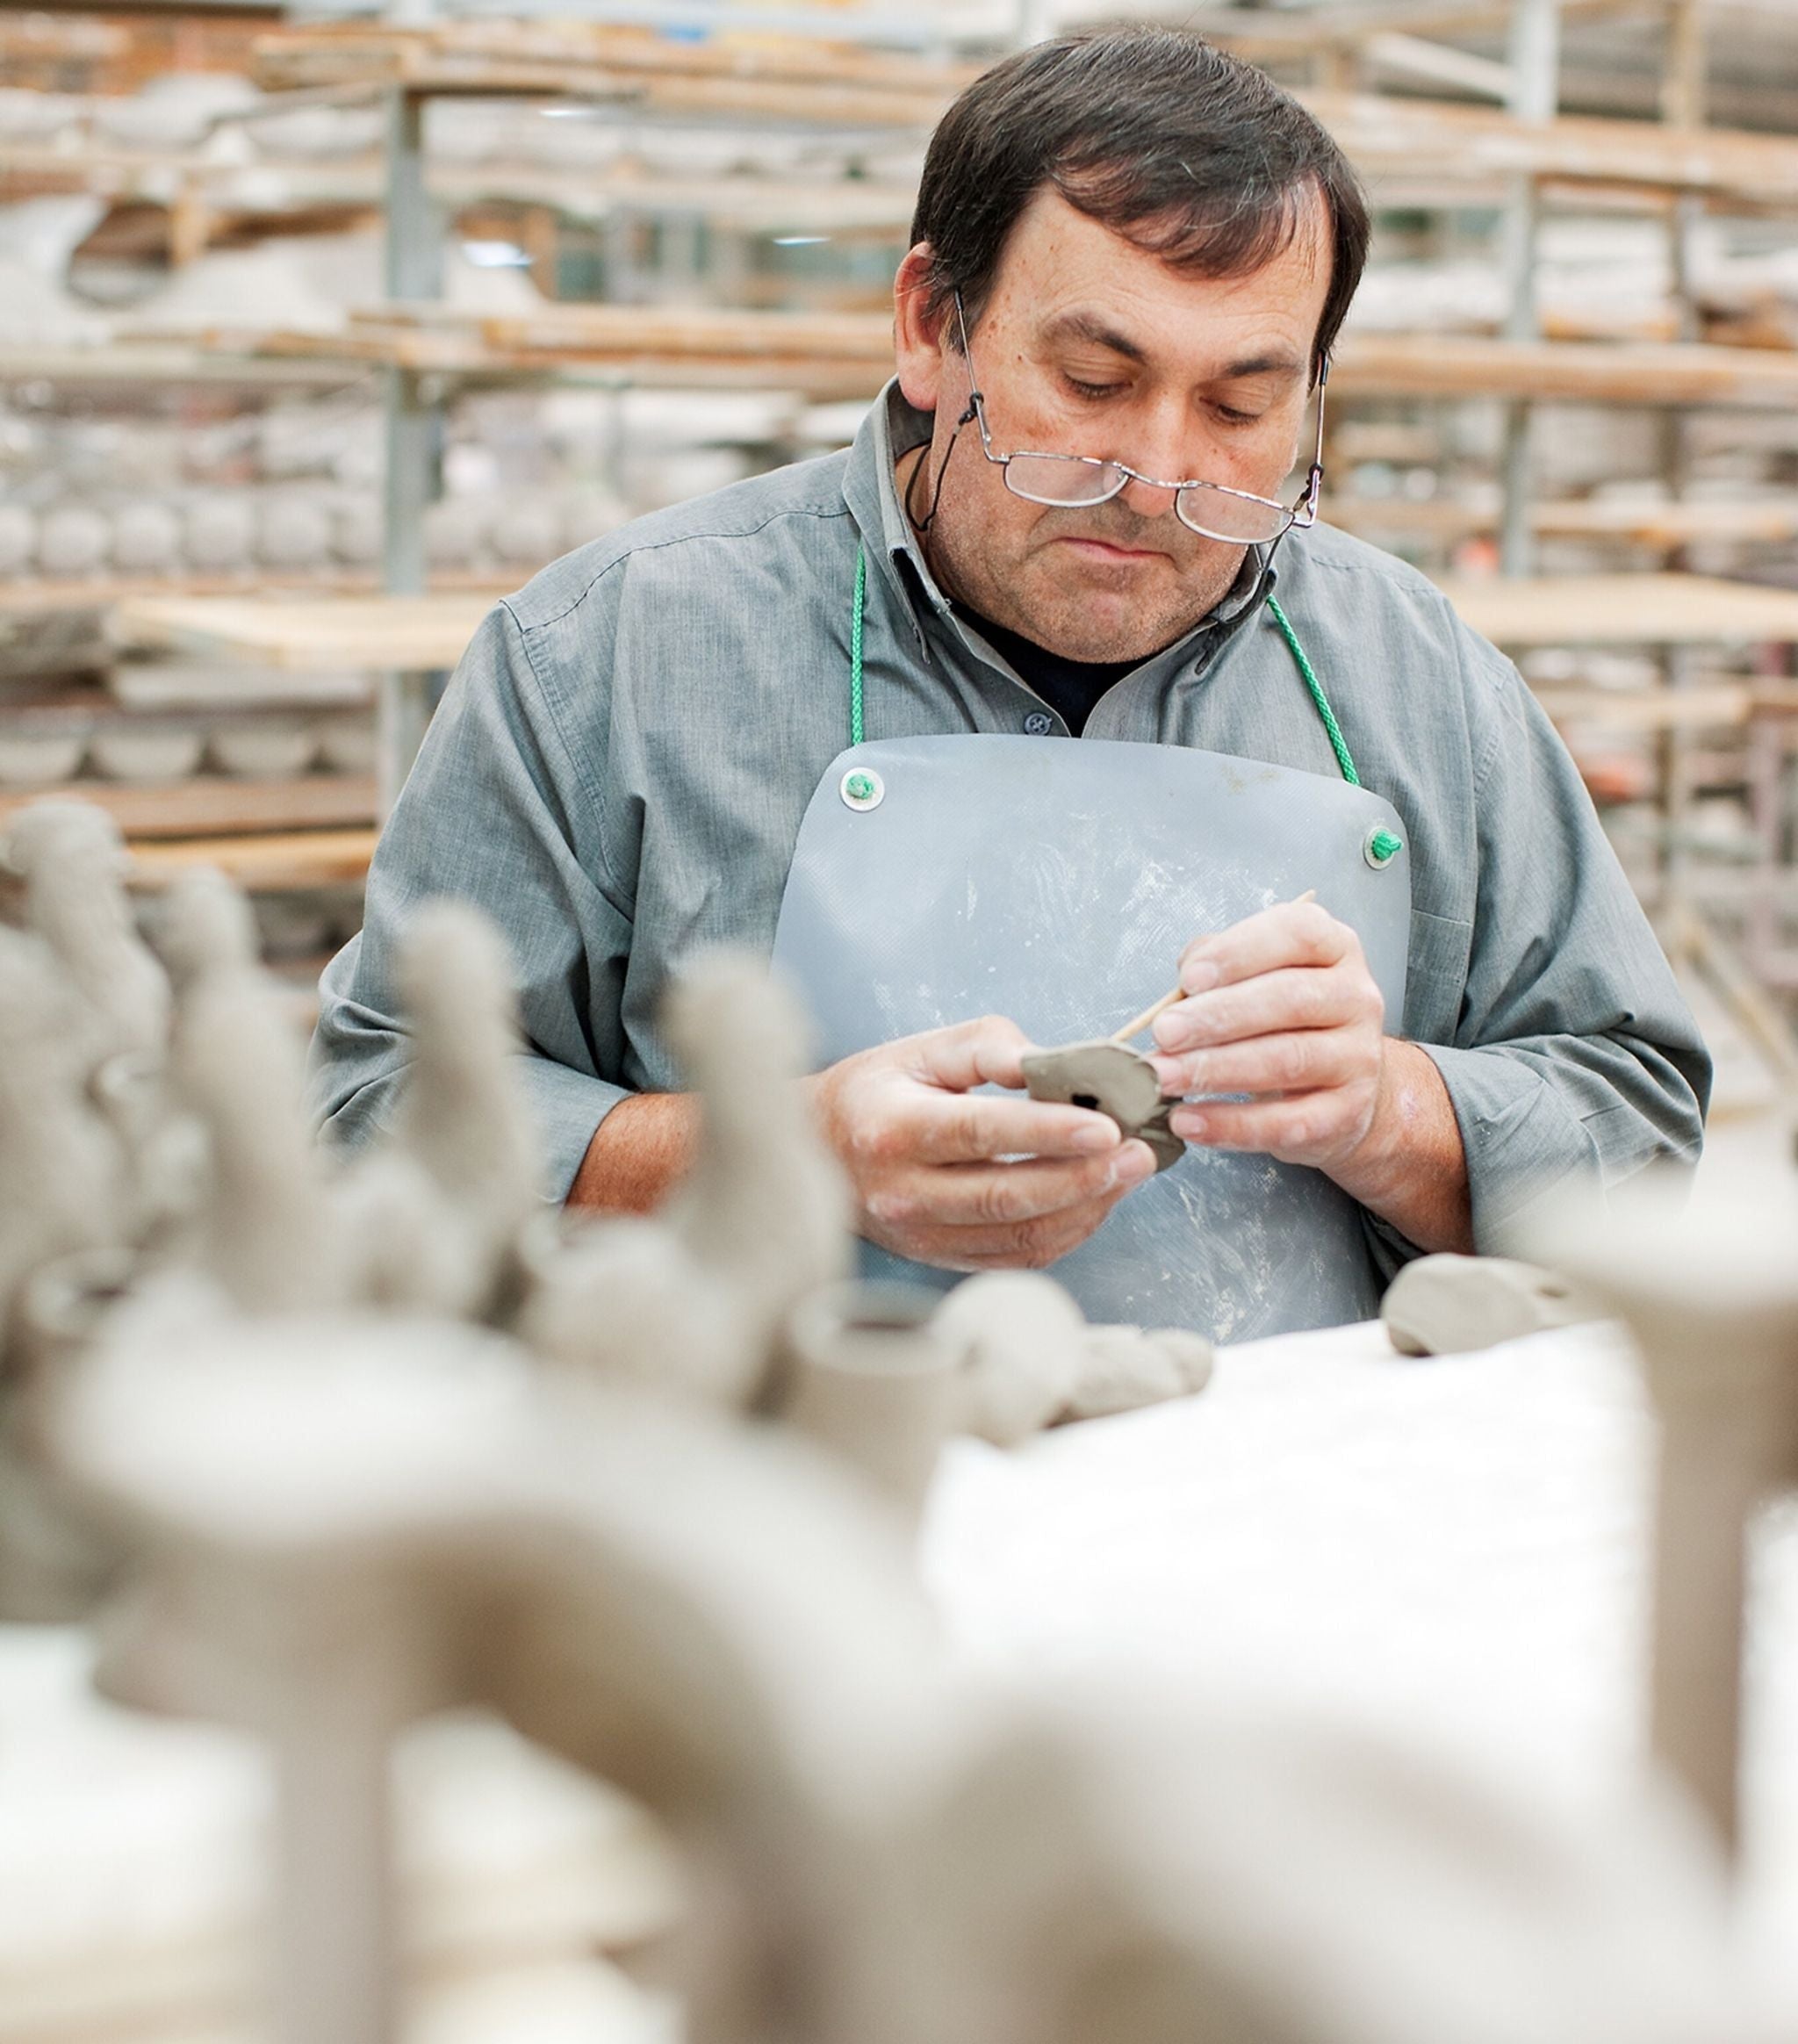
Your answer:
<point x="1158" y="447"/>
<point x="1147" y="499"/>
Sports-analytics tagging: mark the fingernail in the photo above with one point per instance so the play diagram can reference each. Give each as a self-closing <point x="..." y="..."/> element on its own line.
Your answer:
<point x="1135" y="1164"/>
<point x="1168" y="1032"/>
<point x="1188" y="1124"/>
<point x="1168" y="1074"/>
<point x="1199" y="977"/>
<point x="1095" y="1136"/>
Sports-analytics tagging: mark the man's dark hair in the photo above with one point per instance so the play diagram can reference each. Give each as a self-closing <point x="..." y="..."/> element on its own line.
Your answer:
<point x="1181" y="147"/>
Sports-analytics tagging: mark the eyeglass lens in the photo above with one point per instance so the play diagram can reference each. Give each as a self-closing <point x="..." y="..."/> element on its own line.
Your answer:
<point x="1064" y="479"/>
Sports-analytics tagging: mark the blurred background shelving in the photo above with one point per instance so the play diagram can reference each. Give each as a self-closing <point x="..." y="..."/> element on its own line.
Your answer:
<point x="299" y="310"/>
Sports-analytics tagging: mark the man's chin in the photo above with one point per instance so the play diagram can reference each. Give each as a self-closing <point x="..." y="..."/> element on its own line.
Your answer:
<point x="1104" y="626"/>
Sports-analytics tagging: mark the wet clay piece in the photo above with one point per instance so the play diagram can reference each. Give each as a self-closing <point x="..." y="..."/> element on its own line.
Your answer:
<point x="1451" y="1306"/>
<point x="1115" y="1081"/>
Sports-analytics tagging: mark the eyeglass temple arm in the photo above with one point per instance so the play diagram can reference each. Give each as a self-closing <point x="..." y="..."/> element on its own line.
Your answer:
<point x="1314" y="480"/>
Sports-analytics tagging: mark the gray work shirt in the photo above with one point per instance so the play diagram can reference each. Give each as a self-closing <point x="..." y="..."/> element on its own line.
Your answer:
<point x="619" y="769"/>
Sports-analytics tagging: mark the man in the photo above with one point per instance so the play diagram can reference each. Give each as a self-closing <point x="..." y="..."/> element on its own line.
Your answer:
<point x="1132" y="251"/>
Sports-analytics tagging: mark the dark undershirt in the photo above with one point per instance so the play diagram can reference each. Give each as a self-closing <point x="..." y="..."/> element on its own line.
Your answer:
<point x="1070" y="688"/>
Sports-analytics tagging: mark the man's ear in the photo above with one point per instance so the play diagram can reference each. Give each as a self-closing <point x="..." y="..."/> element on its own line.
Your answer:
<point x="918" y="341"/>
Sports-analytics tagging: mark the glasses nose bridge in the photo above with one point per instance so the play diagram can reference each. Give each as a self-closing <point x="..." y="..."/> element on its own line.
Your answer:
<point x="1145" y="495"/>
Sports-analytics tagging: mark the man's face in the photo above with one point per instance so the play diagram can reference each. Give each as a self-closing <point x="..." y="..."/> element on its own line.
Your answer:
<point x="1090" y="345"/>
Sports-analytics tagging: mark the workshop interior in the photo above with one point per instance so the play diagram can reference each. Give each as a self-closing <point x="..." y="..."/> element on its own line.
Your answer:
<point x="899" y="1022"/>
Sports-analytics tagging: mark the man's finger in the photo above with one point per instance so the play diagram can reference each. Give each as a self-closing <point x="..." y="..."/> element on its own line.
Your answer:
<point x="1291" y="933"/>
<point x="986" y="1051"/>
<point x="969" y="1128"/>
<point x="1291" y="998"/>
<point x="1291" y="1128"/>
<point x="1285" y="1061"/>
<point x="1029" y="1245"/>
<point x="1003" y="1195"/>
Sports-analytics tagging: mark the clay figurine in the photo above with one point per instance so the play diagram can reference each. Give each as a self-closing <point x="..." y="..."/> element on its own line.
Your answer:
<point x="1451" y="1306"/>
<point x="1115" y="1081"/>
<point x="1030" y="1361"/>
<point x="1711" y="1296"/>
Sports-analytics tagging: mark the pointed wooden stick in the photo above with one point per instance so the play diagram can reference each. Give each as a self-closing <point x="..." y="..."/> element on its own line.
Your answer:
<point x="1167" y="1000"/>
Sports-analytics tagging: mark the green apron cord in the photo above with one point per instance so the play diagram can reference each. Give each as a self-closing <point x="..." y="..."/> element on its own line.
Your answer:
<point x="1338" y="745"/>
<point x="855" y="646"/>
<point x="1382" y="844"/>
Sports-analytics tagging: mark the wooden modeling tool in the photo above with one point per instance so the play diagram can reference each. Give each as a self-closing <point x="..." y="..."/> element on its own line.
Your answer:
<point x="1146" y="1018"/>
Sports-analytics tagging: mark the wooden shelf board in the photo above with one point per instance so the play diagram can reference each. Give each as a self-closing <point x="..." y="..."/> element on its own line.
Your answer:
<point x="1458" y="365"/>
<point x="461" y="355"/>
<point x="1392" y="134"/>
<point x="1567" y="610"/>
<point x="33" y="598"/>
<point x="213" y="805"/>
<point x="790" y="77"/>
<point x="280" y="862"/>
<point x="373" y="634"/>
<point x="1768" y="520"/>
<point x="166" y="362"/>
<point x="1660" y="709"/>
<point x="707" y="331"/>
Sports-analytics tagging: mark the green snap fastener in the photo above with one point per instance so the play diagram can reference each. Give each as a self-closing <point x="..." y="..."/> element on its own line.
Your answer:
<point x="862" y="789"/>
<point x="1381" y="847"/>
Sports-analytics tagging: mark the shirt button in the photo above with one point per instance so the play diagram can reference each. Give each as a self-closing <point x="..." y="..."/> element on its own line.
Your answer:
<point x="1038" y="726"/>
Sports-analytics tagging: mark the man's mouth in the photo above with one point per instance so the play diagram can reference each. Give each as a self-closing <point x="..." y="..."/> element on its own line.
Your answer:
<point x="1109" y="551"/>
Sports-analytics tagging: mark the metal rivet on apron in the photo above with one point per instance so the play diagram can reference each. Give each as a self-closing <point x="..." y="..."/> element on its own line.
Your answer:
<point x="1381" y="846"/>
<point x="862" y="789"/>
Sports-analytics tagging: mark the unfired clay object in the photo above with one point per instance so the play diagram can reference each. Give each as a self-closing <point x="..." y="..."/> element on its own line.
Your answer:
<point x="145" y="539"/>
<point x="529" y="534"/>
<point x="220" y="532"/>
<point x="145" y="753"/>
<point x="707" y="1615"/>
<point x="40" y="758"/>
<point x="357" y="532"/>
<point x="18" y="538"/>
<point x="463" y="1114"/>
<point x="1451" y="1306"/>
<point x="454" y="532"/>
<point x="264" y="1233"/>
<point x="1711" y="1297"/>
<point x="1028" y="1358"/>
<point x="264" y="748"/>
<point x="59" y="1165"/>
<point x="1114" y="1080"/>
<point x="73" y="541"/>
<point x="292" y="531"/>
<point x="870" y="1375"/>
<point x="761" y="1222"/>
<point x="72" y="860"/>
<point x="347" y="743"/>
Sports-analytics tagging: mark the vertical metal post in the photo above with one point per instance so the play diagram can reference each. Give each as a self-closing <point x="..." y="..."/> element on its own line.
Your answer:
<point x="1535" y="61"/>
<point x="413" y="270"/>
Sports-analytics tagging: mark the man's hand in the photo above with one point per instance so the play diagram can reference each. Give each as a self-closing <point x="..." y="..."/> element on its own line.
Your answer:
<point x="966" y="1180"/>
<point x="1282" y="1007"/>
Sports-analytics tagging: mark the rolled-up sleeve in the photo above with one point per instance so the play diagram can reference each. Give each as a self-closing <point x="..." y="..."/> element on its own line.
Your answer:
<point x="495" y="813"/>
<point x="1575" y="1053"/>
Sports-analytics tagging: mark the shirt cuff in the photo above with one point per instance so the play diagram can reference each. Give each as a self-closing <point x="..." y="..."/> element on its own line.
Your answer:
<point x="1521" y="1138"/>
<point x="569" y="1106"/>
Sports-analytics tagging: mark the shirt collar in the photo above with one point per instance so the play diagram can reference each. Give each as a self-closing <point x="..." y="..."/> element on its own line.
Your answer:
<point x="892" y="428"/>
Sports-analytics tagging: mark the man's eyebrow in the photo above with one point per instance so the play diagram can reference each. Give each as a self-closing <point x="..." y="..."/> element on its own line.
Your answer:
<point x="1279" y="362"/>
<point x="1079" y="326"/>
<point x="1083" y="325"/>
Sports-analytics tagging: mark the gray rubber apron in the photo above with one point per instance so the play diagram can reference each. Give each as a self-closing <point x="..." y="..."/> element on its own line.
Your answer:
<point x="938" y="879"/>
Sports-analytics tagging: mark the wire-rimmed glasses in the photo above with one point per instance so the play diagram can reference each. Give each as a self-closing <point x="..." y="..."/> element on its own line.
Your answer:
<point x="1212" y="510"/>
